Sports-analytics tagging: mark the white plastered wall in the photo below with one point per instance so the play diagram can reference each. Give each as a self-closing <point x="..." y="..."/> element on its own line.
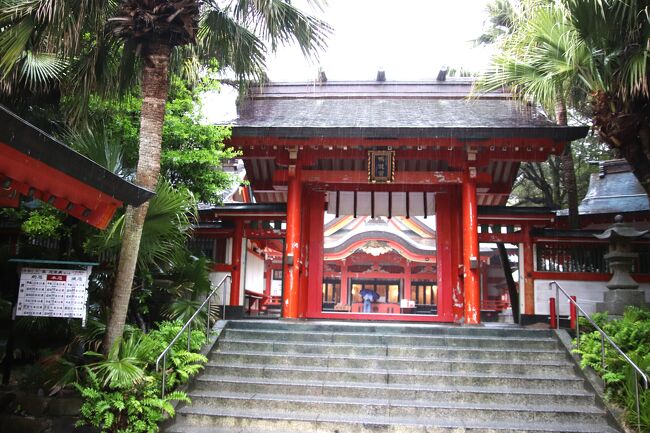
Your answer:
<point x="254" y="280"/>
<point x="587" y="293"/>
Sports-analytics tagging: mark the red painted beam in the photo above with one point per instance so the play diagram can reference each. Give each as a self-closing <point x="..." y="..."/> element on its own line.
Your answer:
<point x="33" y="178"/>
<point x="264" y="234"/>
<point x="280" y="143"/>
<point x="341" y="177"/>
<point x="509" y="238"/>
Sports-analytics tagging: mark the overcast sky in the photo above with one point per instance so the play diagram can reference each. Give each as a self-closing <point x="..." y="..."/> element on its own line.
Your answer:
<point x="409" y="39"/>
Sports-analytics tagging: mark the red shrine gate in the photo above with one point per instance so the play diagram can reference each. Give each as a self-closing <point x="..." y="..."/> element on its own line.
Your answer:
<point x="382" y="183"/>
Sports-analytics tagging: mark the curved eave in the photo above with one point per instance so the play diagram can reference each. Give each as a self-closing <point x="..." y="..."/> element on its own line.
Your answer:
<point x="36" y="145"/>
<point x="351" y="244"/>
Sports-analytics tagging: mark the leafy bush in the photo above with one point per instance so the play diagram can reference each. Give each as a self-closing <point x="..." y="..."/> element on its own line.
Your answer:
<point x="121" y="391"/>
<point x="632" y="334"/>
<point x="45" y="222"/>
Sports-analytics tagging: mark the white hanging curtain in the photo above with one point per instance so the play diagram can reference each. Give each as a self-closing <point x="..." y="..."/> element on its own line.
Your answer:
<point x="384" y="203"/>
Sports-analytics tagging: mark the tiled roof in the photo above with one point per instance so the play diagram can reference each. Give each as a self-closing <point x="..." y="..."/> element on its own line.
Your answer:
<point x="371" y="109"/>
<point x="614" y="189"/>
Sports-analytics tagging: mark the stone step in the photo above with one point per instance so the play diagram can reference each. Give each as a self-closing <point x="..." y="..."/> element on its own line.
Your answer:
<point x="377" y="350"/>
<point x="396" y="328"/>
<point x="269" y="421"/>
<point x="362" y="389"/>
<point x="389" y="408"/>
<point x="399" y="392"/>
<point x="472" y="341"/>
<point x="493" y="428"/>
<point x="367" y="375"/>
<point x="324" y="377"/>
<point x="309" y="361"/>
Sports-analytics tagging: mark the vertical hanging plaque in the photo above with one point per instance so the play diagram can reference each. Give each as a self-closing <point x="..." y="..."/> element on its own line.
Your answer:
<point x="381" y="166"/>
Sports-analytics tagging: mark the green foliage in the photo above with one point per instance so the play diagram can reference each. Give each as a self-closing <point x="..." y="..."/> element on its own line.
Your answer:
<point x="44" y="222"/>
<point x="192" y="286"/>
<point x="539" y="183"/>
<point x="138" y="410"/>
<point x="121" y="392"/>
<point x="632" y="334"/>
<point x="192" y="151"/>
<point x="164" y="236"/>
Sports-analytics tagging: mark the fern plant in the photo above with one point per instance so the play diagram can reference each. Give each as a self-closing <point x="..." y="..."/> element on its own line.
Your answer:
<point x="121" y="391"/>
<point x="632" y="334"/>
<point x="137" y="409"/>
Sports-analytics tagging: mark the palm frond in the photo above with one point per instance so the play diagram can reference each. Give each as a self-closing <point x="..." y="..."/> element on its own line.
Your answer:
<point x="14" y="42"/>
<point x="97" y="145"/>
<point x="279" y="22"/>
<point x="223" y="38"/>
<point x="617" y="34"/>
<point x="40" y="71"/>
<point x="165" y="232"/>
<point x="125" y="363"/>
<point x="544" y="60"/>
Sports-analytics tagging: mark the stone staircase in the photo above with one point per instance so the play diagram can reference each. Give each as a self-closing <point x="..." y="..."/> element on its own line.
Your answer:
<point x="277" y="377"/>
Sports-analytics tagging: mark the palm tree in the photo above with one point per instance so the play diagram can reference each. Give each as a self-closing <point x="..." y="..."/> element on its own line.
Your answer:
<point x="617" y="34"/>
<point x="153" y="34"/>
<point x="544" y="60"/>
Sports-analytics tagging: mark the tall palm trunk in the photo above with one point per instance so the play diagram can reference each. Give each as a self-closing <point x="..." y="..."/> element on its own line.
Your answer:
<point x="155" y="87"/>
<point x="568" y="169"/>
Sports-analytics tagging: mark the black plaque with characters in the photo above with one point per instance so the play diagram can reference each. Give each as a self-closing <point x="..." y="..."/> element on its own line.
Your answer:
<point x="381" y="166"/>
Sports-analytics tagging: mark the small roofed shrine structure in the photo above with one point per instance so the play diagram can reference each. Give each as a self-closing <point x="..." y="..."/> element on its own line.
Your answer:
<point x="36" y="165"/>
<point x="381" y="190"/>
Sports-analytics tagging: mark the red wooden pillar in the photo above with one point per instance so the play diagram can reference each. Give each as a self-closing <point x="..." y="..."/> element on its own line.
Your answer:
<point x="268" y="276"/>
<point x="485" y="288"/>
<point x="305" y="256"/>
<point x="471" y="253"/>
<point x="552" y="313"/>
<point x="529" y="267"/>
<point x="345" y="285"/>
<point x="407" y="281"/>
<point x="574" y="313"/>
<point x="237" y="239"/>
<point x="291" y="291"/>
<point x="316" y="239"/>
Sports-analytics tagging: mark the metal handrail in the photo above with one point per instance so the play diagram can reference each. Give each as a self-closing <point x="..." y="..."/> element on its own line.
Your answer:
<point x="188" y="326"/>
<point x="603" y="337"/>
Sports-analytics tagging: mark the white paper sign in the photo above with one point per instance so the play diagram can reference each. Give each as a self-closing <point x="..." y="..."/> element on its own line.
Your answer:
<point x="276" y="287"/>
<point x="53" y="292"/>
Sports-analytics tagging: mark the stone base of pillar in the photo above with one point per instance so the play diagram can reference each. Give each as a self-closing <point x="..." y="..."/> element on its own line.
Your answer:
<point x="616" y="301"/>
<point x="233" y="312"/>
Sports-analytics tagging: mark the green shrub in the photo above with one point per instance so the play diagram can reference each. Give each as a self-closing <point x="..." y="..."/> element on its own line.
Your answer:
<point x="122" y="391"/>
<point x="632" y="334"/>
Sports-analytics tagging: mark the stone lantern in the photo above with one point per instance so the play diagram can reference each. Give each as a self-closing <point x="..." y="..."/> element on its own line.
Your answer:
<point x="623" y="290"/>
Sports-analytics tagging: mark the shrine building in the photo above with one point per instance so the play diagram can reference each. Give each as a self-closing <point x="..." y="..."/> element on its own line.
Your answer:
<point x="394" y="188"/>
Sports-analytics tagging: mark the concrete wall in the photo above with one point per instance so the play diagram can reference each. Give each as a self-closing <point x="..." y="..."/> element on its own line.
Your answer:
<point x="588" y="293"/>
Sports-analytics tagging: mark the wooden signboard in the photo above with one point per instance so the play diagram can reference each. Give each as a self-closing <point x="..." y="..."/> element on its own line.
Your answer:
<point x="53" y="292"/>
<point x="381" y="166"/>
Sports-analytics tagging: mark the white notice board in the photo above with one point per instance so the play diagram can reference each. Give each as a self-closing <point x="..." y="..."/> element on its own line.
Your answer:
<point x="53" y="292"/>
